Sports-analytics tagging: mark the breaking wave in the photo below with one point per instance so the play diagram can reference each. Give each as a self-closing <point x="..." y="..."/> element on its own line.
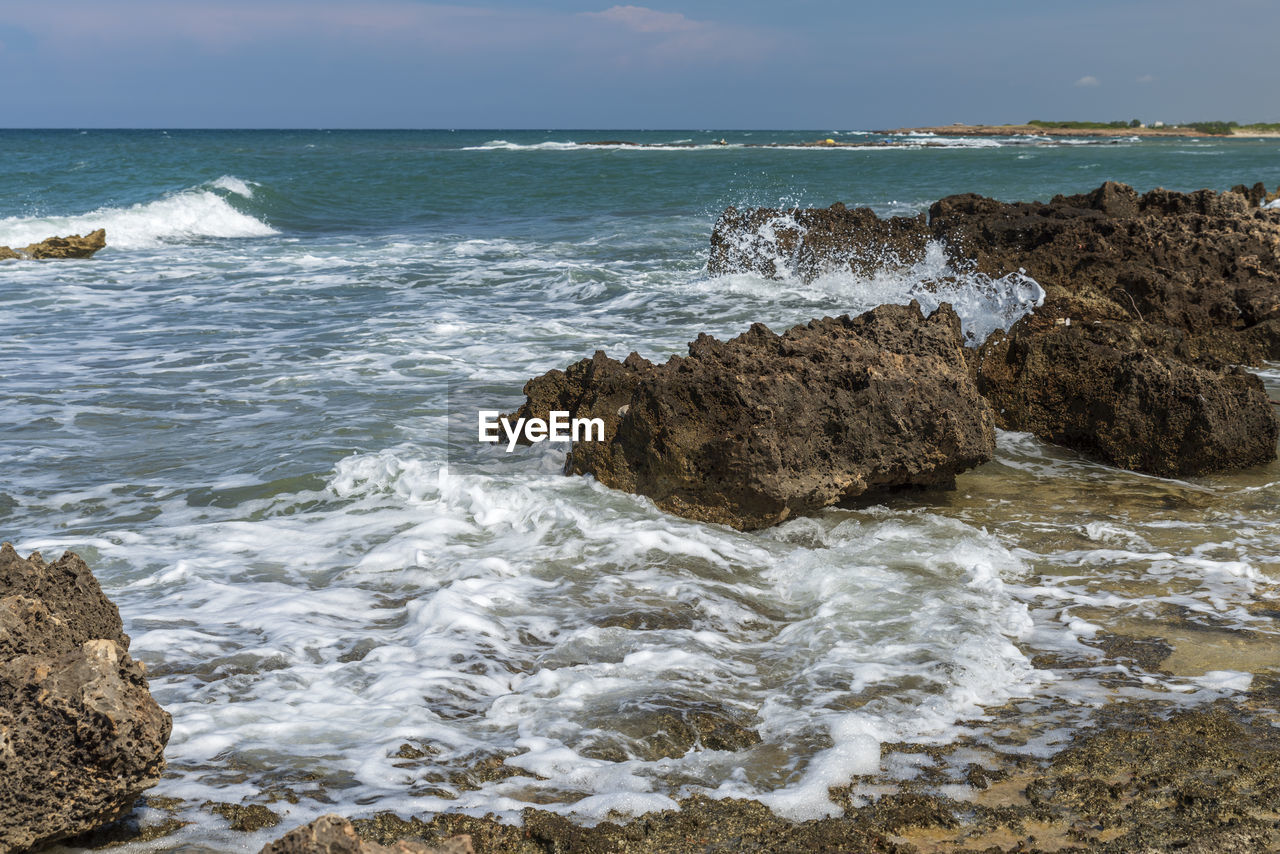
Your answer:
<point x="197" y="213"/>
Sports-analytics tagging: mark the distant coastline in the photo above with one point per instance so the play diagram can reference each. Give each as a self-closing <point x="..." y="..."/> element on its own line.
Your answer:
<point x="1043" y="130"/>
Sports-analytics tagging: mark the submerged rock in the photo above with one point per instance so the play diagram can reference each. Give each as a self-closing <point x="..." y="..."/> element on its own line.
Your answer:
<point x="1197" y="780"/>
<point x="752" y="431"/>
<point x="80" y="735"/>
<point x="331" y="834"/>
<point x="1121" y="393"/>
<point x="73" y="246"/>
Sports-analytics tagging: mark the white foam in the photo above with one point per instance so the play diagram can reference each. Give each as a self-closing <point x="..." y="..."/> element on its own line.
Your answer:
<point x="194" y="214"/>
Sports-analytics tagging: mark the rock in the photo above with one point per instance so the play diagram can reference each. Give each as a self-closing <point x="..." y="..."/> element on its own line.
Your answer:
<point x="1160" y="290"/>
<point x="752" y="431"/>
<point x="245" y="818"/>
<point x="1206" y="263"/>
<point x="73" y="246"/>
<point x="80" y="735"/>
<point x="1257" y="194"/>
<point x="806" y="243"/>
<point x="331" y="834"/>
<point x="1126" y="394"/>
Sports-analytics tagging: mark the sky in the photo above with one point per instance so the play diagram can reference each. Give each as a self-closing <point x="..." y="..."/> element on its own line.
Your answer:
<point x="549" y="64"/>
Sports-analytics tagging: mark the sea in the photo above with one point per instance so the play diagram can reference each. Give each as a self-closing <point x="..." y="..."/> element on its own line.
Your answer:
<point x="238" y="413"/>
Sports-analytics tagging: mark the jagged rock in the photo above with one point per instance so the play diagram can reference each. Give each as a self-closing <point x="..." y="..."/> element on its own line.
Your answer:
<point x="80" y="735"/>
<point x="1160" y="291"/>
<point x="752" y="431"/>
<point x="1257" y="194"/>
<point x="331" y="834"/>
<point x="73" y="246"/>
<point x="1122" y="393"/>
<point x="808" y="242"/>
<point x="1204" y="262"/>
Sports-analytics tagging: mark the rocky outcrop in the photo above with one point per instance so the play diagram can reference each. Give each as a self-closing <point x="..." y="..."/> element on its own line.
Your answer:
<point x="1123" y="394"/>
<point x="73" y="246"/>
<point x="752" y="431"/>
<point x="1204" y="262"/>
<point x="331" y="834"/>
<point x="80" y="735"/>
<point x="1147" y="298"/>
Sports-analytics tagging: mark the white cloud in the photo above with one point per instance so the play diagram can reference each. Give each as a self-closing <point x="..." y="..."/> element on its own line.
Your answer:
<point x="644" y="20"/>
<point x="1147" y="78"/>
<point x="1088" y="80"/>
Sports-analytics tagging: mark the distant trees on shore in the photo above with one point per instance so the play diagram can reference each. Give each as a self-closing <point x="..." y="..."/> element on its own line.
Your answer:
<point x="1214" y="128"/>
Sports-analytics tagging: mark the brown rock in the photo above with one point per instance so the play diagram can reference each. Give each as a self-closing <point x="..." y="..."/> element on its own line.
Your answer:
<point x="1120" y="392"/>
<point x="808" y="242"/>
<point x="80" y="735"/>
<point x="68" y="591"/>
<point x="73" y="246"/>
<point x="1161" y="289"/>
<point x="1206" y="263"/>
<point x="331" y="834"/>
<point x="752" y="431"/>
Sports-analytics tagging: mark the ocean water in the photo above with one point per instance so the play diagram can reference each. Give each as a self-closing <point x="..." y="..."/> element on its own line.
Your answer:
<point x="237" y="414"/>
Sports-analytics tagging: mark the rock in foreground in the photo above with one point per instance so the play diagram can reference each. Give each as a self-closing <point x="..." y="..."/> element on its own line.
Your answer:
<point x="1120" y="393"/>
<point x="752" y="431"/>
<point x="80" y="735"/>
<point x="331" y="834"/>
<point x="73" y="246"/>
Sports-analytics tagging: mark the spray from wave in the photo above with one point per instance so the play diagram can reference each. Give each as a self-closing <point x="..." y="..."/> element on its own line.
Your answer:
<point x="197" y="213"/>
<point x="983" y="302"/>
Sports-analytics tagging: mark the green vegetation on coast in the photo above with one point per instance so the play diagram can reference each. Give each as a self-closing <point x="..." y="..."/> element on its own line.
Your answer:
<point x="1209" y="128"/>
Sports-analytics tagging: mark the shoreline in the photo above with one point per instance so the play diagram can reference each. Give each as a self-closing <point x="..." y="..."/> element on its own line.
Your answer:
<point x="1036" y="130"/>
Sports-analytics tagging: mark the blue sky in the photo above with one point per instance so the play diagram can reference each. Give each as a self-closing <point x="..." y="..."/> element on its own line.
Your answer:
<point x="817" y="64"/>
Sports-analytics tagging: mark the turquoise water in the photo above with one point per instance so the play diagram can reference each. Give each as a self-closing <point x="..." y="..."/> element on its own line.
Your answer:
<point x="236" y="413"/>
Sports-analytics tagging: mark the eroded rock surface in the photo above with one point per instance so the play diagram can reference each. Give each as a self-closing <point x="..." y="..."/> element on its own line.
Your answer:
<point x="1197" y="780"/>
<point x="752" y="431"/>
<point x="331" y="834"/>
<point x="1204" y="262"/>
<point x="80" y="735"/>
<point x="73" y="246"/>
<point x="1148" y="298"/>
<point x="1121" y="393"/>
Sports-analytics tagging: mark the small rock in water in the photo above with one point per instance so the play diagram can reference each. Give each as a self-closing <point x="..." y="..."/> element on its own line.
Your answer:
<point x="73" y="246"/>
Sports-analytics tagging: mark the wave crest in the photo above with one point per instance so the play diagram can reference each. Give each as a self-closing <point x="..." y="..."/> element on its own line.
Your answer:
<point x="193" y="214"/>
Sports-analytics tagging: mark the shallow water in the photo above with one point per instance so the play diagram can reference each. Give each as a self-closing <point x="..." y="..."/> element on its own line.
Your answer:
<point x="236" y="413"/>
